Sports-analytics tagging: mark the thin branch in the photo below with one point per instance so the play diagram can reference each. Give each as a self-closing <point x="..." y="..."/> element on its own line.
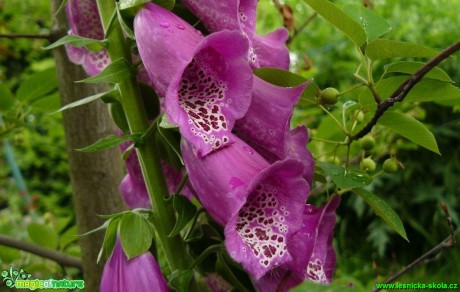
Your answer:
<point x="25" y="36"/>
<point x="402" y="91"/>
<point x="446" y="243"/>
<point x="277" y="4"/>
<point x="58" y="257"/>
<point x="301" y="27"/>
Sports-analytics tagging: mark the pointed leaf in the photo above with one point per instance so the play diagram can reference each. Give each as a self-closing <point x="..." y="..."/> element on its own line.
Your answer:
<point x="373" y="24"/>
<point x="185" y="212"/>
<point x="409" y="67"/>
<point x="109" y="142"/>
<point x="110" y="238"/>
<point x="43" y="235"/>
<point x="38" y="85"/>
<point x="340" y="20"/>
<point x="381" y="49"/>
<point x="116" y="72"/>
<point x="410" y="128"/>
<point x="343" y="178"/>
<point x="382" y="209"/>
<point x="279" y="77"/>
<point x="78" y="41"/>
<point x="126" y="4"/>
<point x="126" y="29"/>
<point x="167" y="4"/>
<point x="85" y="100"/>
<point x="165" y="123"/>
<point x="118" y="116"/>
<point x="6" y="98"/>
<point x="136" y="234"/>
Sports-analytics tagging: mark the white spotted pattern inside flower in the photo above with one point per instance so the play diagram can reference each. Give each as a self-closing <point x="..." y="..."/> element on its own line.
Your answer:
<point x="315" y="272"/>
<point x="260" y="224"/>
<point x="202" y="95"/>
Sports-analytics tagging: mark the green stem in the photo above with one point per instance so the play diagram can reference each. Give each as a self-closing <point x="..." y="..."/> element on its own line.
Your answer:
<point x="163" y="213"/>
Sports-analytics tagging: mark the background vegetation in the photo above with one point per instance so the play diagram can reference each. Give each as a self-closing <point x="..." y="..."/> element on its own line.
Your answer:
<point x="368" y="251"/>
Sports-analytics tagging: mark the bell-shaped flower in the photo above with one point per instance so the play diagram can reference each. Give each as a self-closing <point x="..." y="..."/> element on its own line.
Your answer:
<point x="313" y="256"/>
<point x="206" y="81"/>
<point x="264" y="51"/>
<point x="84" y="21"/>
<point x="267" y="122"/>
<point x="141" y="273"/>
<point x="257" y="235"/>
<point x="221" y="178"/>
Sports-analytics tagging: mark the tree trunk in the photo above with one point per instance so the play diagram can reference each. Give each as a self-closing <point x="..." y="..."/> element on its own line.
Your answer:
<point x="95" y="177"/>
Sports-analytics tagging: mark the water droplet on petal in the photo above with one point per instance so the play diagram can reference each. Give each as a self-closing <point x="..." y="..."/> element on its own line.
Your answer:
<point x="248" y="149"/>
<point x="164" y="24"/>
<point x="181" y="27"/>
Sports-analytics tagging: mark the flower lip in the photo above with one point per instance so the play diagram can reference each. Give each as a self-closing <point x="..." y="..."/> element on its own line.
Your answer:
<point x="257" y="236"/>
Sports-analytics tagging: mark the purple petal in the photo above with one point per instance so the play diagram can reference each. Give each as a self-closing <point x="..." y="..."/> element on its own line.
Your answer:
<point x="84" y="21"/>
<point x="258" y="235"/>
<point x="260" y="126"/>
<point x="296" y="148"/>
<point x="225" y="14"/>
<point x="271" y="49"/>
<point x="212" y="92"/>
<point x="138" y="274"/>
<point x="166" y="44"/>
<point x="311" y="247"/>
<point x="216" y="283"/>
<point x="221" y="178"/>
<point x="134" y="192"/>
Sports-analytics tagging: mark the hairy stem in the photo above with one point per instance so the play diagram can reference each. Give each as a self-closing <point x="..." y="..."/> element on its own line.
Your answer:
<point x="164" y="215"/>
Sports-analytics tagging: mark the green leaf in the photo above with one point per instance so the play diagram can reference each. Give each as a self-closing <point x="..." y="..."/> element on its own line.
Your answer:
<point x="340" y="20"/>
<point x="335" y="286"/>
<point x="61" y="7"/>
<point x="180" y="280"/>
<point x="128" y="31"/>
<point x="116" y="72"/>
<point x="126" y="4"/>
<point x="224" y="269"/>
<point x="166" y="124"/>
<point x="426" y="90"/>
<point x="85" y="100"/>
<point x="43" y="235"/>
<point x="110" y="238"/>
<point x="410" y="128"/>
<point x="382" y="209"/>
<point x="6" y="98"/>
<point x="8" y="254"/>
<point x="78" y="41"/>
<point x="185" y="212"/>
<point x="47" y="103"/>
<point x="136" y="234"/>
<point x="69" y="236"/>
<point x="279" y="77"/>
<point x="169" y="144"/>
<point x="118" y="116"/>
<point x="381" y="49"/>
<point x="168" y="4"/>
<point x="109" y="142"/>
<point x="409" y="67"/>
<point x="373" y="24"/>
<point x="343" y="178"/>
<point x="38" y="85"/>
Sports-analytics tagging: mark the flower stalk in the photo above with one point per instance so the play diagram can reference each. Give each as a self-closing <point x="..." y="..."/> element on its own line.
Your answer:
<point x="148" y="153"/>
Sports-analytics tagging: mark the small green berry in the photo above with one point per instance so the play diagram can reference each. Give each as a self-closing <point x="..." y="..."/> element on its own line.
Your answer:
<point x="329" y="95"/>
<point x="360" y="117"/>
<point x="368" y="165"/>
<point x="390" y="166"/>
<point x="367" y="142"/>
<point x="334" y="159"/>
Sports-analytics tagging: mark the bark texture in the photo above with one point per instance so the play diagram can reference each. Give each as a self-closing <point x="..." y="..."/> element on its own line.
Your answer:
<point x="95" y="177"/>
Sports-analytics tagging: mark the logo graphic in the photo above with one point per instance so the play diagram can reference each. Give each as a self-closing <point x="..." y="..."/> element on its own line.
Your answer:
<point x="22" y="280"/>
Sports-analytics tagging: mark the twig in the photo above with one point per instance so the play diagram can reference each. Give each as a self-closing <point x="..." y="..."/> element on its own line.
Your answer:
<point x="446" y="243"/>
<point x="301" y="27"/>
<point x="25" y="36"/>
<point x="277" y="4"/>
<point x="56" y="256"/>
<point x="402" y="91"/>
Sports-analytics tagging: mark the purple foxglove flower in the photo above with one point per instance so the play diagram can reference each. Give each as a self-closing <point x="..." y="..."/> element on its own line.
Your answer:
<point x="141" y="273"/>
<point x="266" y="124"/>
<point x="216" y="283"/>
<point x="257" y="236"/>
<point x="240" y="15"/>
<point x="84" y="21"/>
<point x="313" y="257"/>
<point x="206" y="81"/>
<point x="221" y="178"/>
